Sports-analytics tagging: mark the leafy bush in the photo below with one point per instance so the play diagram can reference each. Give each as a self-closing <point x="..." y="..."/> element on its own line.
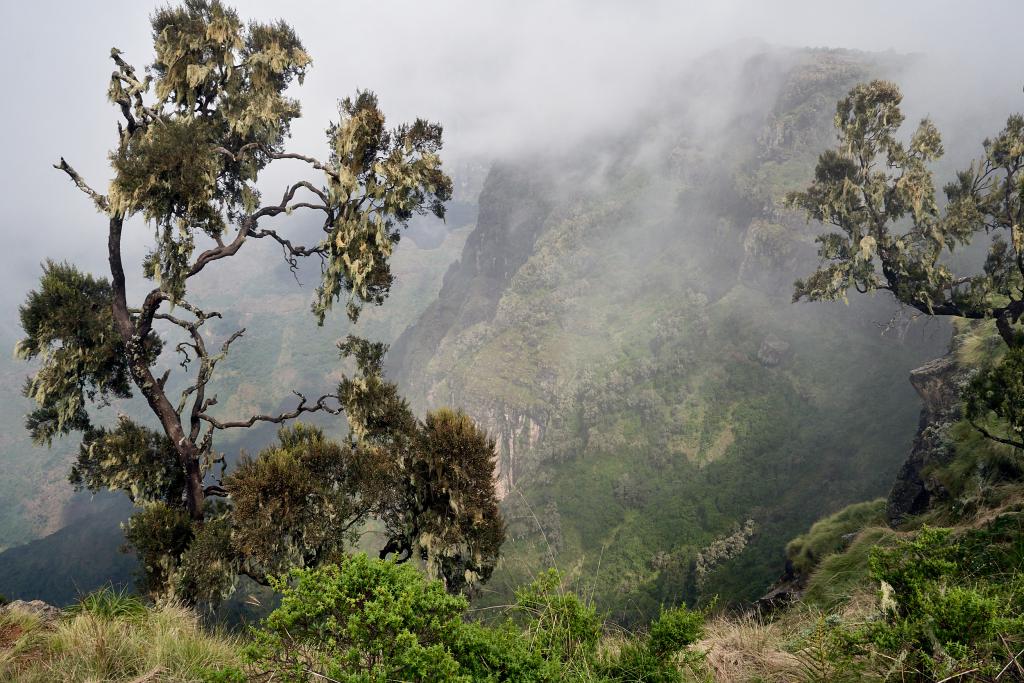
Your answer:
<point x="558" y="624"/>
<point x="654" y="658"/>
<point x="372" y="620"/>
<point x="952" y="605"/>
<point x="360" y="620"/>
<point x="674" y="630"/>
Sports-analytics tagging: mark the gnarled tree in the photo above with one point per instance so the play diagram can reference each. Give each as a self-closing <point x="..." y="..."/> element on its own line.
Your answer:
<point x="877" y="192"/>
<point x="195" y="132"/>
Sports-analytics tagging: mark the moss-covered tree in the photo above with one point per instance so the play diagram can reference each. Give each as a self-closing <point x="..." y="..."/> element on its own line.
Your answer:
<point x="889" y="233"/>
<point x="195" y="132"/>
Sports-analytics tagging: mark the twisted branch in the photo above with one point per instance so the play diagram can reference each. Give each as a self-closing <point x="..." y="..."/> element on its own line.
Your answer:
<point x="303" y="407"/>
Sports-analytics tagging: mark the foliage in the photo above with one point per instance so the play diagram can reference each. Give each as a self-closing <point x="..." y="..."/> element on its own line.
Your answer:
<point x="138" y="460"/>
<point x="952" y="605"/>
<point x="160" y="534"/>
<point x="360" y="620"/>
<point x="559" y="624"/>
<point x="655" y="657"/>
<point x="69" y="329"/>
<point x="305" y="501"/>
<point x="300" y="502"/>
<point x="880" y="195"/>
<point x="196" y="131"/>
<point x="370" y="620"/>
<point x="452" y="502"/>
<point x="994" y="399"/>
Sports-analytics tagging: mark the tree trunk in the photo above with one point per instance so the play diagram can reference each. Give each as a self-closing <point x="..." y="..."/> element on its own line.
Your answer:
<point x="134" y="340"/>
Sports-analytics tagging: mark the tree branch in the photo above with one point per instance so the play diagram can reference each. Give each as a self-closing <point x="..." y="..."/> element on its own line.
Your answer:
<point x="315" y="163"/>
<point x="988" y="435"/>
<point x="303" y="407"/>
<point x="99" y="200"/>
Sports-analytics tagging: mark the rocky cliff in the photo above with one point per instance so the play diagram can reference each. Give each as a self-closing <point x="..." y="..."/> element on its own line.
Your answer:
<point x="939" y="384"/>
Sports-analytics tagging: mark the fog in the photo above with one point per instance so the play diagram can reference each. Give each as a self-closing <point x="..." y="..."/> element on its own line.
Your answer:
<point x="505" y="79"/>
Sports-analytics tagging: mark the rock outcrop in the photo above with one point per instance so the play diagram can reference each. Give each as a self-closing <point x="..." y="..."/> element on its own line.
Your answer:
<point x="772" y="351"/>
<point x="43" y="610"/>
<point x="938" y="384"/>
<point x="515" y="434"/>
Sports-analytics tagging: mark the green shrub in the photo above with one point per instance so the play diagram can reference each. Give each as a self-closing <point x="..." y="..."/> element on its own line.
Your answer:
<point x="675" y="629"/>
<point x="360" y="620"/>
<point x="229" y="674"/>
<point x="559" y="625"/>
<point x="501" y="653"/>
<point x="655" y="657"/>
<point x="372" y="620"/>
<point x="951" y="603"/>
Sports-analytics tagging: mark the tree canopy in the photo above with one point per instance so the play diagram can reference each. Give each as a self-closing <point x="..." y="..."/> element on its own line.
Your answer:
<point x="876" y="192"/>
<point x="196" y="129"/>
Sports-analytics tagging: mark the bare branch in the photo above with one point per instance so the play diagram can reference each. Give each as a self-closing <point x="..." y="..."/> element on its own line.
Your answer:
<point x="235" y="156"/>
<point x="222" y="250"/>
<point x="303" y="407"/>
<point x="315" y="163"/>
<point x="289" y="193"/>
<point x="99" y="200"/>
<point x="988" y="435"/>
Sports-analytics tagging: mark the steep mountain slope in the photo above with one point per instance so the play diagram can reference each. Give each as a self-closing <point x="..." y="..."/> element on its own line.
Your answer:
<point x="620" y="320"/>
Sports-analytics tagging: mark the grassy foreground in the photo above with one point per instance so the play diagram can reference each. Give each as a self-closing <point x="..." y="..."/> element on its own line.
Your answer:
<point x="110" y="637"/>
<point x="931" y="604"/>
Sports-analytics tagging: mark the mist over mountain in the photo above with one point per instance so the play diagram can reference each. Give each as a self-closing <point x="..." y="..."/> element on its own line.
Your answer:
<point x="609" y="297"/>
<point x="621" y="320"/>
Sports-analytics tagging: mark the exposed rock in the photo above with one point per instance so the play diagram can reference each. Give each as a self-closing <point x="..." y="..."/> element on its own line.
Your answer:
<point x="773" y="351"/>
<point x="938" y="384"/>
<point x="514" y="435"/>
<point x="45" y="611"/>
<point x="786" y="591"/>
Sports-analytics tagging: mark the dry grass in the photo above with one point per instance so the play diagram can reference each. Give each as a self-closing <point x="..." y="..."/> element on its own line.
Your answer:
<point x="162" y="645"/>
<point x="748" y="648"/>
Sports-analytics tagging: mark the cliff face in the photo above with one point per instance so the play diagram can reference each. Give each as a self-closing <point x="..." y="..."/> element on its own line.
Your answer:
<point x="503" y="239"/>
<point x="938" y="383"/>
<point x="620" y="322"/>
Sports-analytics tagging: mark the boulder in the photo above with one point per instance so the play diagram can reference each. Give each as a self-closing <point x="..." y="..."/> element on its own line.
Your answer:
<point x="43" y="610"/>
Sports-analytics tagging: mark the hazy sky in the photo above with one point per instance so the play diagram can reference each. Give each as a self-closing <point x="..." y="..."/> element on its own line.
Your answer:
<point x="502" y="77"/>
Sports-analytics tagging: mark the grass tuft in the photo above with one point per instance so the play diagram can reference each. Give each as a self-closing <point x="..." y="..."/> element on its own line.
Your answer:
<point x="112" y="637"/>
